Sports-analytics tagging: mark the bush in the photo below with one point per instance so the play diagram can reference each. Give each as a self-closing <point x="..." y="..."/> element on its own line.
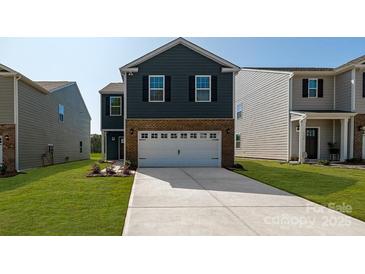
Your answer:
<point x="95" y="169"/>
<point x="324" y="162"/>
<point x="126" y="168"/>
<point x="237" y="166"/>
<point x="3" y="169"/>
<point x="354" y="161"/>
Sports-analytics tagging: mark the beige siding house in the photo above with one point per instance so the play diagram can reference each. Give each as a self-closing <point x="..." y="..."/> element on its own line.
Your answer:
<point x="325" y="115"/>
<point x="41" y="123"/>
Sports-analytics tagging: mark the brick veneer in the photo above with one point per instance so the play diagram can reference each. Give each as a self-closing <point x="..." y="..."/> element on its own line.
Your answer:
<point x="8" y="145"/>
<point x="359" y="122"/>
<point x="179" y="125"/>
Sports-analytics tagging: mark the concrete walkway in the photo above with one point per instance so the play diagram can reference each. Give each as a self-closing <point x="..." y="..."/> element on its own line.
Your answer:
<point x="215" y="201"/>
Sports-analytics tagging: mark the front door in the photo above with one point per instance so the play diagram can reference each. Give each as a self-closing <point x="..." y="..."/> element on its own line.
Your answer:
<point x="1" y="150"/>
<point x="311" y="143"/>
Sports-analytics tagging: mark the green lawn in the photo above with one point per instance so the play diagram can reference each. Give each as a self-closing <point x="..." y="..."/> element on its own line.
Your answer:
<point x="60" y="200"/>
<point x="323" y="185"/>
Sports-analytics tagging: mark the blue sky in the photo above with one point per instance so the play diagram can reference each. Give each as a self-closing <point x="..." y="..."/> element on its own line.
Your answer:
<point x="94" y="62"/>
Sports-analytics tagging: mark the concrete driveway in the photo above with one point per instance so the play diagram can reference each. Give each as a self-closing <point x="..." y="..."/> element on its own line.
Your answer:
<point x="215" y="201"/>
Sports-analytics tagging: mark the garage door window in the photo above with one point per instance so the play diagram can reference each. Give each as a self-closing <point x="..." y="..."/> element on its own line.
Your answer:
<point x="154" y="136"/>
<point x="164" y="135"/>
<point x="203" y="135"/>
<point x="173" y="135"/>
<point x="183" y="135"/>
<point x="144" y="135"/>
<point x="193" y="135"/>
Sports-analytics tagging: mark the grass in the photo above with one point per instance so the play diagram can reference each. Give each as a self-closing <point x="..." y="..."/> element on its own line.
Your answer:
<point x="323" y="185"/>
<point x="60" y="200"/>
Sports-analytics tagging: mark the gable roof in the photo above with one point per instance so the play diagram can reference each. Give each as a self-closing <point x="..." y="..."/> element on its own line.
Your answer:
<point x="188" y="44"/>
<point x="357" y="61"/>
<point x="113" y="88"/>
<point x="24" y="78"/>
<point x="54" y="85"/>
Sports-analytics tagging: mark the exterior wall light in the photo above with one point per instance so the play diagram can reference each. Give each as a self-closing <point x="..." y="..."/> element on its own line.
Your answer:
<point x="7" y="137"/>
<point x="131" y="131"/>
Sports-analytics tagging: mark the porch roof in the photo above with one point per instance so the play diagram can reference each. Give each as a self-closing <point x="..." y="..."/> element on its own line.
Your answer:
<point x="320" y="114"/>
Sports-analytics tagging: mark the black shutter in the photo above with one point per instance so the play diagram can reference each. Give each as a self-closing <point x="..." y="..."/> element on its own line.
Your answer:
<point x="107" y="106"/>
<point x="145" y="88"/>
<point x="363" y="84"/>
<point x="320" y="87"/>
<point x="167" y="88"/>
<point x="122" y="106"/>
<point x="214" y="89"/>
<point x="305" y="88"/>
<point x="192" y="88"/>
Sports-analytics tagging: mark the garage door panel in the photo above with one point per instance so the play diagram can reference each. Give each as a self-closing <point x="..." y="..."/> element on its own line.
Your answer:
<point x="179" y="148"/>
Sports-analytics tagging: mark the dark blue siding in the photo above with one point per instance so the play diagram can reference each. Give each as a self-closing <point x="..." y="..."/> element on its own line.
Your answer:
<point x="112" y="146"/>
<point x="110" y="122"/>
<point x="180" y="62"/>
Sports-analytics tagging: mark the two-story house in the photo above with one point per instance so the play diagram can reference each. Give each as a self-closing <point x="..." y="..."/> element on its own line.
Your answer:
<point x="41" y="123"/>
<point x="178" y="107"/>
<point x="300" y="113"/>
<point x="112" y="121"/>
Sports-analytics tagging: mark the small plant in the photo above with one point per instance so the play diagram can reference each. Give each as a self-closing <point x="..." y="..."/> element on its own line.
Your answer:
<point x="126" y="168"/>
<point x="354" y="161"/>
<point x="324" y="162"/>
<point x="95" y="169"/>
<point x="238" y="166"/>
<point x="109" y="171"/>
<point x="3" y="169"/>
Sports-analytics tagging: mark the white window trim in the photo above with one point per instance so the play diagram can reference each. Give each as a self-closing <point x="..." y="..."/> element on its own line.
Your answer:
<point x="235" y="141"/>
<point x="311" y="79"/>
<point x="210" y="89"/>
<point x="163" y="89"/>
<point x="120" y="105"/>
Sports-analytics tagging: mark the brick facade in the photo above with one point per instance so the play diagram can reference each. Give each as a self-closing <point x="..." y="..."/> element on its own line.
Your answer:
<point x="359" y="122"/>
<point x="226" y="126"/>
<point x="7" y="131"/>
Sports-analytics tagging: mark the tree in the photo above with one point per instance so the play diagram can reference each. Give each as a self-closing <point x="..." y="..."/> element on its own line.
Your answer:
<point x="95" y="143"/>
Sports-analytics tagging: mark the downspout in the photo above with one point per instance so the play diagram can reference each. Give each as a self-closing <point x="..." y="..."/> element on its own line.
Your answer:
<point x="125" y="117"/>
<point x="289" y="118"/>
<point x="16" y="119"/>
<point x="304" y="117"/>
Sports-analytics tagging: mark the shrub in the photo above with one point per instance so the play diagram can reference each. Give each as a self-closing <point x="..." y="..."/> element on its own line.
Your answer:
<point x="354" y="161"/>
<point x="3" y="169"/>
<point x="95" y="169"/>
<point x="238" y="166"/>
<point x="324" y="162"/>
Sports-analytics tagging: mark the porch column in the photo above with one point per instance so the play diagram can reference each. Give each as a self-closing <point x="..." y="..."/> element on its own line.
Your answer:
<point x="344" y="139"/>
<point x="351" y="137"/>
<point x="302" y="131"/>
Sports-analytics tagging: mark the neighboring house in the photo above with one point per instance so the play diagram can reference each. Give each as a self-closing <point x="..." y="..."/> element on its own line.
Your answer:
<point x="112" y="121"/>
<point x="41" y="123"/>
<point x="297" y="113"/>
<point x="179" y="108"/>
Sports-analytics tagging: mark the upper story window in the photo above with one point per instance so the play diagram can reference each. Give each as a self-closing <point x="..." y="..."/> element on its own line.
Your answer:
<point x="156" y="91"/>
<point x="115" y="105"/>
<point x="202" y="88"/>
<point x="239" y="110"/>
<point x="313" y="88"/>
<point x="61" y="113"/>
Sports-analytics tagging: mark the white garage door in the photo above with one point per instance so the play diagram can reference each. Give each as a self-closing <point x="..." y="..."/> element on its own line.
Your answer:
<point x="179" y="148"/>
